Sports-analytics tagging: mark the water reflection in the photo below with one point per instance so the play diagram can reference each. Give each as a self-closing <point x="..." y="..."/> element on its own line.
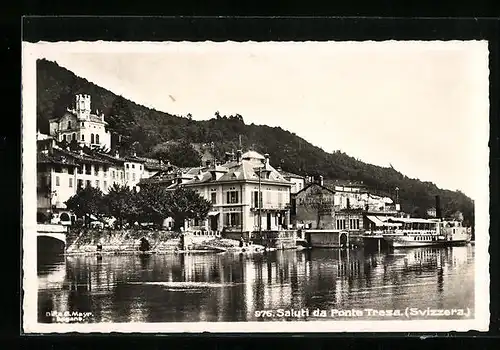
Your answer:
<point x="232" y="287"/>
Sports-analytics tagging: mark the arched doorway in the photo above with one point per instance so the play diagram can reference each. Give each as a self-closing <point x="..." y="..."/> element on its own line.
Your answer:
<point x="144" y="245"/>
<point x="343" y="239"/>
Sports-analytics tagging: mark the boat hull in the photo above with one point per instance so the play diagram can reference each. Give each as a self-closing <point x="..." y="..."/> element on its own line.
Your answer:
<point x="408" y="242"/>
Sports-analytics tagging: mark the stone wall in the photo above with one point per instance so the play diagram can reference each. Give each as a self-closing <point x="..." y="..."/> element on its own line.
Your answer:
<point x="87" y="240"/>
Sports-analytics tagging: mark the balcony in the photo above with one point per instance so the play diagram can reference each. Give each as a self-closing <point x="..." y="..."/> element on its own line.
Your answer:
<point x="271" y="206"/>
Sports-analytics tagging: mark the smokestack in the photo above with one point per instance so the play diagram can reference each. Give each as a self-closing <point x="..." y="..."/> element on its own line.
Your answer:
<point x="238" y="155"/>
<point x="438" y="208"/>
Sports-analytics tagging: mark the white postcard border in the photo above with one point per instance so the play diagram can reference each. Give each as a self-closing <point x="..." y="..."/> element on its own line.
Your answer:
<point x="32" y="51"/>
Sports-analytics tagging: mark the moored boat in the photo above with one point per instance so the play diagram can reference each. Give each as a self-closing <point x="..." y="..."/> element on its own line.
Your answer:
<point x="417" y="232"/>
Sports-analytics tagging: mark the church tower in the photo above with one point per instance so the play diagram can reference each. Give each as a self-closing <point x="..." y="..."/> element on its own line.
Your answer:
<point x="83" y="106"/>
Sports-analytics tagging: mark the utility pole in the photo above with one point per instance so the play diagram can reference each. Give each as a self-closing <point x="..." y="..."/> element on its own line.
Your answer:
<point x="259" y="197"/>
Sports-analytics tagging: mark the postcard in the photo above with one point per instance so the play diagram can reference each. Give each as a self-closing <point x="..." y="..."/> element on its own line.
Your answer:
<point x="284" y="187"/>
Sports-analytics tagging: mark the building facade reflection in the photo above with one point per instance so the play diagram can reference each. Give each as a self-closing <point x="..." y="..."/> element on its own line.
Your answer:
<point x="232" y="287"/>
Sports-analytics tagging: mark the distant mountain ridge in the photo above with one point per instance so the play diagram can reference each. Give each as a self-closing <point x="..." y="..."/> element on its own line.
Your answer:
<point x="144" y="128"/>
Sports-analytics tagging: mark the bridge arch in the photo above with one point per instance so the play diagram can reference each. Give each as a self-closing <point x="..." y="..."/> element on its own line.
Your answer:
<point x="48" y="245"/>
<point x="54" y="235"/>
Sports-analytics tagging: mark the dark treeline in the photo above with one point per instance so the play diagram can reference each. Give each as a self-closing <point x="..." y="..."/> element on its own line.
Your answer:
<point x="146" y="131"/>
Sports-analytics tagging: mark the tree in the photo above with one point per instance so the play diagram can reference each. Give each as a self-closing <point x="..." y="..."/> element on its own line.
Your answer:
<point x="121" y="118"/>
<point x="153" y="204"/>
<point x="86" y="202"/>
<point x="120" y="203"/>
<point x="182" y="154"/>
<point x="186" y="204"/>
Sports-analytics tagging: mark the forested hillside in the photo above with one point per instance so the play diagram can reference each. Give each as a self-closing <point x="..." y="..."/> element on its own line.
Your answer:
<point x="145" y="129"/>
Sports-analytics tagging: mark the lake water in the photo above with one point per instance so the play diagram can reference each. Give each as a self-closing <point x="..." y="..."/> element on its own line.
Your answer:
<point x="317" y="284"/>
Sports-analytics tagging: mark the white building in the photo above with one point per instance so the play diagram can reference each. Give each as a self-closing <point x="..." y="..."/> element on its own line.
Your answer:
<point x="60" y="172"/>
<point x="80" y="125"/>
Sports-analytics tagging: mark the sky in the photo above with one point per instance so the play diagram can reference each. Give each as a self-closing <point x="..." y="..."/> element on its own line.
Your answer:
<point x="420" y="106"/>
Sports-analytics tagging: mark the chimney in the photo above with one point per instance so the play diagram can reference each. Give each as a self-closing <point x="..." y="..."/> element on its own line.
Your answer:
<point x="117" y="154"/>
<point x="266" y="156"/>
<point x="238" y="155"/>
<point x="438" y="208"/>
<point x="320" y="180"/>
<point x="134" y="154"/>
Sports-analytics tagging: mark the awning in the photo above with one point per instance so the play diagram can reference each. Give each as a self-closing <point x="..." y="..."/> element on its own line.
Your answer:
<point x="375" y="220"/>
<point x="213" y="213"/>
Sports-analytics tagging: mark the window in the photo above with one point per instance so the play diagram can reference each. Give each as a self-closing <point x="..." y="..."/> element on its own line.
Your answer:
<point x="354" y="224"/>
<point x="97" y="183"/>
<point x="70" y="182"/>
<point x="140" y="167"/>
<point x="73" y="137"/>
<point x="83" y="124"/>
<point x="57" y="180"/>
<point x="213" y="197"/>
<point x="64" y="138"/>
<point x="105" y="185"/>
<point x="127" y="177"/>
<point x="121" y="173"/>
<point x="97" y="138"/>
<point x="80" y="183"/>
<point x="69" y="124"/>
<point x="133" y="166"/>
<point x="255" y="199"/>
<point x="340" y="224"/>
<point x="113" y="174"/>
<point x="91" y="138"/>
<point x="80" y="169"/>
<point x="96" y="170"/>
<point x="232" y="197"/>
<point x="83" y="136"/>
<point x="88" y="183"/>
<point x="133" y="176"/>
<point x="126" y="166"/>
<point x="232" y="219"/>
<point x="88" y="169"/>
